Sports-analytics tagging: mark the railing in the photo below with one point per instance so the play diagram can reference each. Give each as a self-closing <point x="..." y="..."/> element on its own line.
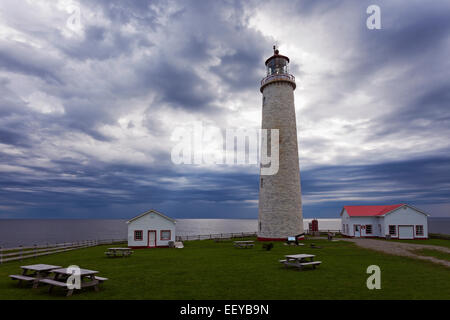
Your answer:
<point x="278" y="77"/>
<point x="216" y="236"/>
<point x="21" y="252"/>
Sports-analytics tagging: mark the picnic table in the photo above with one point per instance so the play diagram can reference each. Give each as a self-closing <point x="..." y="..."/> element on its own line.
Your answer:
<point x="244" y="244"/>
<point x="300" y="261"/>
<point x="88" y="279"/>
<point x="33" y="273"/>
<point x="119" y="252"/>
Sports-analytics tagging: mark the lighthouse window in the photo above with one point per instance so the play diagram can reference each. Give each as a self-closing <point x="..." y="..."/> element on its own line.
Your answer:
<point x="262" y="182"/>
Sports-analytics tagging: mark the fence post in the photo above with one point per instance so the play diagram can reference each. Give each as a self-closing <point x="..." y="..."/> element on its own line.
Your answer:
<point x="21" y="252"/>
<point x="35" y="250"/>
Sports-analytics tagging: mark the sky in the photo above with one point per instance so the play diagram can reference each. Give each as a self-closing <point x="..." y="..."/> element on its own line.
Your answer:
<point x="91" y="93"/>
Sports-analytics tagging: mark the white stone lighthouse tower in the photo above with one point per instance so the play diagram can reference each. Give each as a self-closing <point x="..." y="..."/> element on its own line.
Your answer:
<point x="280" y="204"/>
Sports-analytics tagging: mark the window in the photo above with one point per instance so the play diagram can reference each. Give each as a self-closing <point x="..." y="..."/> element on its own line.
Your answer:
<point x="379" y="229"/>
<point x="368" y="229"/>
<point x="259" y="226"/>
<point x="356" y="227"/>
<point x="138" y="235"/>
<point x="419" y="230"/>
<point x="262" y="182"/>
<point x="392" y="230"/>
<point x="165" y="234"/>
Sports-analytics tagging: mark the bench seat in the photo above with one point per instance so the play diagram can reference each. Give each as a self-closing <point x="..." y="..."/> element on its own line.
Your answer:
<point x="54" y="282"/>
<point x="300" y="265"/>
<point x="100" y="279"/>
<point x="21" y="277"/>
<point x="310" y="263"/>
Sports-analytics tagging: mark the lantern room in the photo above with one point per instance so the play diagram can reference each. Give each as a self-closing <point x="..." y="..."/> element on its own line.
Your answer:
<point x="277" y="70"/>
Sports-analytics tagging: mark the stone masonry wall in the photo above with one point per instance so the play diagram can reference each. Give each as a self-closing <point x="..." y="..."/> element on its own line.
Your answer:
<point x="280" y="204"/>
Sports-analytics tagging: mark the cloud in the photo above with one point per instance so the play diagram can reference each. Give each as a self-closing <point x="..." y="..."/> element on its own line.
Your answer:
<point x="86" y="117"/>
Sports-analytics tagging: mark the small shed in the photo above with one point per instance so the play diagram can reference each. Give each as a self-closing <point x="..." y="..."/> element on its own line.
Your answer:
<point x="151" y="229"/>
<point x="399" y="221"/>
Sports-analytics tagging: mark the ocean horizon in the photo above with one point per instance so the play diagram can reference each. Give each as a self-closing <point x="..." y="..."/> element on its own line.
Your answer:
<point x="27" y="232"/>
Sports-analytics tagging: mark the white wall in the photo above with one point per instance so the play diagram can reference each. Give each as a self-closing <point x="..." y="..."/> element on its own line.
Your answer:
<point x="406" y="216"/>
<point x="402" y="216"/>
<point x="362" y="221"/>
<point x="150" y="221"/>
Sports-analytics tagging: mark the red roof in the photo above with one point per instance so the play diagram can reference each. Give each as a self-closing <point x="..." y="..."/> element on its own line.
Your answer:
<point x="368" y="211"/>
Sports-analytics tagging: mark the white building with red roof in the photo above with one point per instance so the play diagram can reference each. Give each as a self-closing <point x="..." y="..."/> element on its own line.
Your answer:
<point x="151" y="229"/>
<point x="399" y="221"/>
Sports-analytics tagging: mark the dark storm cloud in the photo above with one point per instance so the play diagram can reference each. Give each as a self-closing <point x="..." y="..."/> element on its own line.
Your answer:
<point x="13" y="137"/>
<point x="179" y="86"/>
<point x="190" y="57"/>
<point x="19" y="59"/>
<point x="241" y="70"/>
<point x="101" y="43"/>
<point x="420" y="182"/>
<point x="120" y="12"/>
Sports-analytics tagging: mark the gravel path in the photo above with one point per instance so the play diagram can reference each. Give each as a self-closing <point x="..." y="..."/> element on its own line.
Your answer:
<point x="401" y="248"/>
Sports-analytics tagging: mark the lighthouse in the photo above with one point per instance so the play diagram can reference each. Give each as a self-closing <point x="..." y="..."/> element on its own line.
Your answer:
<point x="280" y="203"/>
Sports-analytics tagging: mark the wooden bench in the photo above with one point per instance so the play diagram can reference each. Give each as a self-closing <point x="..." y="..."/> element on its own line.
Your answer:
<point x="244" y="245"/>
<point x="101" y="279"/>
<point x="117" y="254"/>
<point x="312" y="263"/>
<point x="300" y="265"/>
<point x="54" y="282"/>
<point x="22" y="278"/>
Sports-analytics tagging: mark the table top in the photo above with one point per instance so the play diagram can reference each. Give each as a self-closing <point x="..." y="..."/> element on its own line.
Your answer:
<point x="300" y="256"/>
<point x="83" y="272"/>
<point x="122" y="248"/>
<point x="40" y="267"/>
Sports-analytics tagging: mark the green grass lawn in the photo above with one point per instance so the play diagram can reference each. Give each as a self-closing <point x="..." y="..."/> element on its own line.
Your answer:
<point x="434" y="242"/>
<point x="433" y="253"/>
<point x="208" y="270"/>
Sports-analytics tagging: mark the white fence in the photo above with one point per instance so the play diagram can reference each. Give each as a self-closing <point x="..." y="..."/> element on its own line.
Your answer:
<point x="216" y="236"/>
<point x="21" y="252"/>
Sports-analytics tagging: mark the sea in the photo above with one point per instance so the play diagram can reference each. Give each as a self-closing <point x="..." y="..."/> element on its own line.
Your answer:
<point x="28" y="232"/>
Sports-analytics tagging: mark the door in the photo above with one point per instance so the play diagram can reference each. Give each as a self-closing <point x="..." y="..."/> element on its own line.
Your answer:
<point x="151" y="238"/>
<point x="357" y="230"/>
<point x="406" y="232"/>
